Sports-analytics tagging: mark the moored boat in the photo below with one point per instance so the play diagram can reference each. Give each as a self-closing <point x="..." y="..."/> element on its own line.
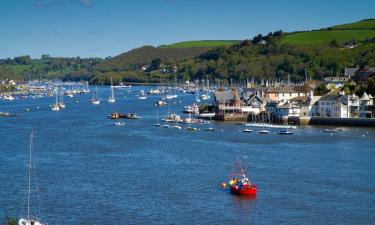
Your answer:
<point x="264" y="132"/>
<point x="246" y="130"/>
<point x="240" y="184"/>
<point x="285" y="132"/>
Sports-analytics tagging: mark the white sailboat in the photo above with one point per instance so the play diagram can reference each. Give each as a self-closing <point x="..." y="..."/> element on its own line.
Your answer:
<point x="29" y="219"/>
<point x="142" y="95"/>
<point x="61" y="104"/>
<point x="95" y="97"/>
<point x="157" y="124"/>
<point x="111" y="98"/>
<point x="55" y="107"/>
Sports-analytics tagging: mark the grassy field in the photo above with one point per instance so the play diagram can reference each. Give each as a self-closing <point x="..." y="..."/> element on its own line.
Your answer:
<point x="17" y="68"/>
<point x="326" y="36"/>
<point x="363" y="24"/>
<point x="201" y="44"/>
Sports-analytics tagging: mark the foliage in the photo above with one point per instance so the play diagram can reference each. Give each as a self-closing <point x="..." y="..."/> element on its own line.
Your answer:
<point x="10" y="221"/>
<point x="321" y="90"/>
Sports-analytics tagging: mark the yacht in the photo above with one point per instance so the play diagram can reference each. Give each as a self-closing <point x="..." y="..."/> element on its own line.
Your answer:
<point x="111" y="98"/>
<point x="29" y="219"/>
<point x="95" y="97"/>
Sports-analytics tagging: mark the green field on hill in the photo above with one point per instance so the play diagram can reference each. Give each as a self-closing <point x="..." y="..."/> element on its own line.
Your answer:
<point x="358" y="31"/>
<point x="363" y="24"/>
<point x="326" y="36"/>
<point x="201" y="44"/>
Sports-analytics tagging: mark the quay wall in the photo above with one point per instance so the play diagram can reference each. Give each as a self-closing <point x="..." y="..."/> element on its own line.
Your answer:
<point x="231" y="117"/>
<point x="350" y="122"/>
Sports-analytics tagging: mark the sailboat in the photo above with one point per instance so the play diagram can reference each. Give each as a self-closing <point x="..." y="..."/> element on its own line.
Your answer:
<point x="55" y="107"/>
<point x="95" y="97"/>
<point x="157" y="124"/>
<point x="61" y="103"/>
<point x="210" y="128"/>
<point x="197" y="99"/>
<point x="111" y="98"/>
<point x="29" y="220"/>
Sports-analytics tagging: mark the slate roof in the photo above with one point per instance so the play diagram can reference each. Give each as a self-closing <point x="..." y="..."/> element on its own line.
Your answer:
<point x="350" y="71"/>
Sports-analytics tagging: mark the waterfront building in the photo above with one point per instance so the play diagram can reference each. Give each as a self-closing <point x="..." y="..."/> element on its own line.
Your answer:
<point x="285" y="93"/>
<point x="365" y="106"/>
<point x="339" y="106"/>
<point x="227" y="102"/>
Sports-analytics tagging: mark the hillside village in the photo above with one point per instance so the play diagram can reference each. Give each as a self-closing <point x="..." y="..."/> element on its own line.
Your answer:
<point x="290" y="103"/>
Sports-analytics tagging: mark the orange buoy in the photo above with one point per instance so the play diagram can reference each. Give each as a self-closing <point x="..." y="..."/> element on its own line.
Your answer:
<point x="223" y="185"/>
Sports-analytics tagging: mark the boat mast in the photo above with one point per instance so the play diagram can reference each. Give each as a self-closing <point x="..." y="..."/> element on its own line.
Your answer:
<point x="29" y="188"/>
<point x="112" y="94"/>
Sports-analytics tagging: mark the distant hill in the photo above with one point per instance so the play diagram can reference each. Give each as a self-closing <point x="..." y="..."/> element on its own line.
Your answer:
<point x="201" y="44"/>
<point x="275" y="56"/>
<point x="358" y="31"/>
<point x="145" y="54"/>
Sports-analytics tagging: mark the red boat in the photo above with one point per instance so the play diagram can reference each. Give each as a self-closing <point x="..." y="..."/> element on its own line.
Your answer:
<point x="240" y="184"/>
<point x="249" y="190"/>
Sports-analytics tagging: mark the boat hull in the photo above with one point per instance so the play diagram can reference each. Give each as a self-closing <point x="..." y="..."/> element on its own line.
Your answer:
<point x="244" y="190"/>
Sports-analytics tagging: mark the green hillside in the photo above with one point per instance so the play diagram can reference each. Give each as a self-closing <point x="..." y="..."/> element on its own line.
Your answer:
<point x="358" y="31"/>
<point x="363" y="24"/>
<point x="326" y="36"/>
<point x="145" y="54"/>
<point x="201" y="44"/>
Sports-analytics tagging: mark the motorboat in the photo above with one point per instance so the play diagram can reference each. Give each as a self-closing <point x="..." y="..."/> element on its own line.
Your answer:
<point x="264" y="132"/>
<point x="285" y="132"/>
<point x="119" y="124"/>
<point x="247" y="130"/>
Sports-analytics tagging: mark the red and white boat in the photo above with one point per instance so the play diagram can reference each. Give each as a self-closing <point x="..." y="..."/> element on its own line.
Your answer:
<point x="240" y="184"/>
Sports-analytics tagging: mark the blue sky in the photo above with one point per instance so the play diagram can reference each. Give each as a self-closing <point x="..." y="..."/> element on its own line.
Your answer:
<point x="101" y="28"/>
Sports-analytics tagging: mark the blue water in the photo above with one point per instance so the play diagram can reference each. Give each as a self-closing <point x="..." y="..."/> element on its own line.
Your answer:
<point x="89" y="171"/>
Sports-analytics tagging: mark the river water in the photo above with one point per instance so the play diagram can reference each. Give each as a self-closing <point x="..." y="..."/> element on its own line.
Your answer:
<point x="88" y="171"/>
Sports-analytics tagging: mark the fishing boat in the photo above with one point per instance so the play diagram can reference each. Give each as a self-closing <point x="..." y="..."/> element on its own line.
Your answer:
<point x="166" y="126"/>
<point x="285" y="132"/>
<point x="240" y="184"/>
<point x="29" y="219"/>
<point x="95" y="97"/>
<point x="111" y="99"/>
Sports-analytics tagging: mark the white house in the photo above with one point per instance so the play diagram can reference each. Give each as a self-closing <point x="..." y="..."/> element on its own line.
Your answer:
<point x="338" y="106"/>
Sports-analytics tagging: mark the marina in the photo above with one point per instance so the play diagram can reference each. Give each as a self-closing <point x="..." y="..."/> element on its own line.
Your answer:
<point x="86" y="163"/>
